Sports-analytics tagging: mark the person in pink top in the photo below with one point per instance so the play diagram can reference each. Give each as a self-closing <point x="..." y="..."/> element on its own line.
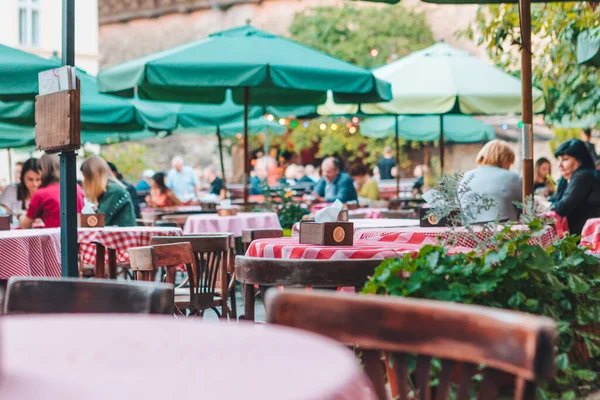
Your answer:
<point x="45" y="203"/>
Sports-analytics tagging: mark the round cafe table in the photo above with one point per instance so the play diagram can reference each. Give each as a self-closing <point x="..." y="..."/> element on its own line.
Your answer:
<point x="210" y="223"/>
<point x="140" y="357"/>
<point x="30" y="252"/>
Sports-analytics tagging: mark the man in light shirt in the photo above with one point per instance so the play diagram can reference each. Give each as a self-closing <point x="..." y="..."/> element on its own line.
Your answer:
<point x="182" y="180"/>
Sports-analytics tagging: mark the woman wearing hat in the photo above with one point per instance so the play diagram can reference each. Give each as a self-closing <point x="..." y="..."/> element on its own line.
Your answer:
<point x="578" y="195"/>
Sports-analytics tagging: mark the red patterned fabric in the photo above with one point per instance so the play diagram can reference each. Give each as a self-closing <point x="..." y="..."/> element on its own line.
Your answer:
<point x="30" y="252"/>
<point x="120" y="239"/>
<point x="590" y="235"/>
<point x="403" y="234"/>
<point x="289" y="248"/>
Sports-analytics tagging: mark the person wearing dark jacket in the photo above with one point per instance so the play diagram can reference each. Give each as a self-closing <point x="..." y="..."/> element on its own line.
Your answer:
<point x="334" y="184"/>
<point x="130" y="188"/>
<point x="578" y="194"/>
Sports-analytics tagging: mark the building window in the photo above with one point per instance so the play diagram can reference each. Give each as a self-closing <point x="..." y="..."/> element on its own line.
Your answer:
<point x="29" y="22"/>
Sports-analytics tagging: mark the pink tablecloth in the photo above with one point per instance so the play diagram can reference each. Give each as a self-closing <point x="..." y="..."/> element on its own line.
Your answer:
<point x="30" y="252"/>
<point x="120" y="239"/>
<point x="289" y="248"/>
<point x="134" y="357"/>
<point x="590" y="235"/>
<point x="209" y="223"/>
<point x="368" y="212"/>
<point x="404" y="234"/>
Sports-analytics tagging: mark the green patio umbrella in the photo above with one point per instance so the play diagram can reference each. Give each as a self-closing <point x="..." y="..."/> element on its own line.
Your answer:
<point x="588" y="47"/>
<point x="19" y="71"/>
<point x="99" y="111"/>
<point x="260" y="68"/>
<point x="457" y="128"/>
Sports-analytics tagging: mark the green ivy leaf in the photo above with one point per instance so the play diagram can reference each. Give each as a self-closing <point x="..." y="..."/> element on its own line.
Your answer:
<point x="562" y="362"/>
<point x="577" y="285"/>
<point x="586" y="375"/>
<point x="516" y="300"/>
<point x="570" y="395"/>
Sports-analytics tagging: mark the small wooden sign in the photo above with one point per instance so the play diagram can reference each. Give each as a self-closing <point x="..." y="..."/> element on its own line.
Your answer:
<point x="327" y="233"/>
<point x="90" y="220"/>
<point x="430" y="221"/>
<point x="5" y="222"/>
<point x="58" y="121"/>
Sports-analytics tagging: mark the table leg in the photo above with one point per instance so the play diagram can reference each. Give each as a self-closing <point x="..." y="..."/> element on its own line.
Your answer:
<point x="112" y="263"/>
<point x="99" y="270"/>
<point x="249" y="302"/>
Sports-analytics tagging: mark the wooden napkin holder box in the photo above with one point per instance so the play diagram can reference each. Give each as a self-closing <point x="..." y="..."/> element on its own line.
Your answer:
<point x="227" y="212"/>
<point x="90" y="220"/>
<point x="339" y="233"/>
<point x="431" y="221"/>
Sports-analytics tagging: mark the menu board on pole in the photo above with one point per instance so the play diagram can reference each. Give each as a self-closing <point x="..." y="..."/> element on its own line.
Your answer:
<point x="57" y="111"/>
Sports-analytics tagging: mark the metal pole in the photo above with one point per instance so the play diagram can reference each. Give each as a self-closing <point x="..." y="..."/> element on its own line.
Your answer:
<point x="221" y="157"/>
<point x="526" y="97"/>
<point x="246" y="158"/>
<point x="397" y="137"/>
<point x="68" y="174"/>
<point x="442" y="145"/>
<point x="11" y="178"/>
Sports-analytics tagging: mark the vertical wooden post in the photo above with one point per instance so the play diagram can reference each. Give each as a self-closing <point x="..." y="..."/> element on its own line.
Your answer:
<point x="527" y="97"/>
<point x="397" y="135"/>
<point x="221" y="157"/>
<point x="246" y="158"/>
<point x="68" y="174"/>
<point x="442" y="145"/>
<point x="11" y="178"/>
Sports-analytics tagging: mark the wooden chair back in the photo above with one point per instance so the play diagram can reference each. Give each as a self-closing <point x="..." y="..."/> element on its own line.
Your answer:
<point x="249" y="235"/>
<point x="25" y="295"/>
<point x="399" y="214"/>
<point x="179" y="219"/>
<point x="210" y="259"/>
<point x="145" y="261"/>
<point x="144" y="222"/>
<point x="166" y="224"/>
<point x="509" y="344"/>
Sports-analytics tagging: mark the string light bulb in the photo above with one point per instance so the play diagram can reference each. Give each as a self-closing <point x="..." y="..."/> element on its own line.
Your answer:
<point x="281" y="121"/>
<point x="334" y="127"/>
<point x="352" y="130"/>
<point x="305" y="124"/>
<point x="323" y="126"/>
<point x="374" y="52"/>
<point x="355" y="120"/>
<point x="270" y="117"/>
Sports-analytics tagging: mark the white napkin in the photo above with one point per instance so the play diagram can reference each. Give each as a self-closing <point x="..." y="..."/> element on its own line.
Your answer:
<point x="433" y="198"/>
<point x="225" y="204"/>
<point x="88" y="208"/>
<point x="329" y="214"/>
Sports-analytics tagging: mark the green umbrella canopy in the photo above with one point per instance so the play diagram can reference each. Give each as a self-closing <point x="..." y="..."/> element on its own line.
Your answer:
<point x="277" y="70"/>
<point x="231" y="129"/>
<point x="14" y="136"/>
<point x="442" y="79"/>
<point x="457" y="128"/>
<point x="172" y="116"/>
<point x="19" y="71"/>
<point x="588" y="47"/>
<point x="99" y="111"/>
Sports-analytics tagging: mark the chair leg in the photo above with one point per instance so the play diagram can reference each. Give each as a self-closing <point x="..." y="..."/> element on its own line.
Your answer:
<point x="249" y="302"/>
<point x="233" y="302"/>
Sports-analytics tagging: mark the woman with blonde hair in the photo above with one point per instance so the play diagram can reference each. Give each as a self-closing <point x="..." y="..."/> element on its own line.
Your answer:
<point x="110" y="195"/>
<point x="493" y="180"/>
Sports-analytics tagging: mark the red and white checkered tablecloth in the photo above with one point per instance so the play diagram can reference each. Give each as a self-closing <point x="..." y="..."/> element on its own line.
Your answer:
<point x="406" y="234"/>
<point x="590" y="235"/>
<point x="120" y="239"/>
<point x="30" y="252"/>
<point x="289" y="248"/>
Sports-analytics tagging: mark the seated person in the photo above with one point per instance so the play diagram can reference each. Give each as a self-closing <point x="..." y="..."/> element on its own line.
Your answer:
<point x="493" y="180"/>
<point x="578" y="194"/>
<point x="367" y="187"/>
<point x="335" y="184"/>
<point x="160" y="195"/>
<point x="216" y="184"/>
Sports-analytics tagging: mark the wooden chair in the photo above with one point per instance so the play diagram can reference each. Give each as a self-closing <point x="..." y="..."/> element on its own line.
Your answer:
<point x="144" y="222"/>
<point x="201" y="245"/>
<point x="268" y="272"/>
<point x="166" y="224"/>
<point x="511" y="345"/>
<point x="399" y="214"/>
<point x="179" y="219"/>
<point x="202" y="260"/>
<point x="25" y="295"/>
<point x="249" y="235"/>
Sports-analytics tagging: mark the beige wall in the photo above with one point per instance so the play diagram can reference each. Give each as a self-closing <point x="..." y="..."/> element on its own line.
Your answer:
<point x="86" y="30"/>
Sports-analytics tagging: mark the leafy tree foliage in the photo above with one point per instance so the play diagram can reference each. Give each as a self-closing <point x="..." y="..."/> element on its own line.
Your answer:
<point x="572" y="90"/>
